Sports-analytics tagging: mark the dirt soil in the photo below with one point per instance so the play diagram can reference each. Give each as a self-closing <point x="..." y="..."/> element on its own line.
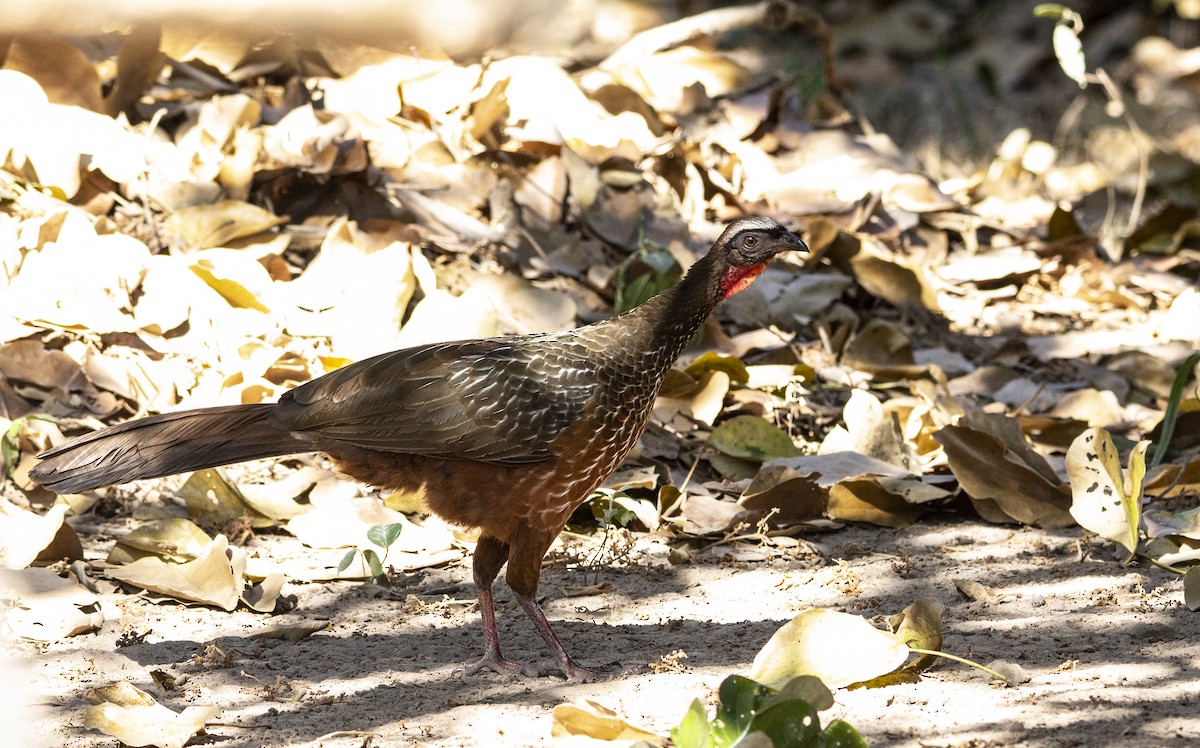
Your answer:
<point x="1110" y="649"/>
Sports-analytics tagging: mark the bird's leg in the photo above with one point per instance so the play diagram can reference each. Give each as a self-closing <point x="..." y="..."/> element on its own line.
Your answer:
<point x="490" y="555"/>
<point x="524" y="570"/>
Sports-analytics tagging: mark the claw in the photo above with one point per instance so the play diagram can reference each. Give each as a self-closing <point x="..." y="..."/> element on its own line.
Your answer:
<point x="496" y="663"/>
<point x="577" y="673"/>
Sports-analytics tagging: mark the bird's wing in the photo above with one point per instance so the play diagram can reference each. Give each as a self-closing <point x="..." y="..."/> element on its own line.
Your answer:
<point x="497" y="400"/>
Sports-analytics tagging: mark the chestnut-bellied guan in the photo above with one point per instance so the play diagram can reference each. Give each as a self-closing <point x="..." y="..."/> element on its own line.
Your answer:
<point x="506" y="434"/>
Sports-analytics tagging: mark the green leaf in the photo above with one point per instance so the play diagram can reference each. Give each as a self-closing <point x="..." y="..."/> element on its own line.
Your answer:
<point x="790" y="723"/>
<point x="808" y="688"/>
<point x="752" y="438"/>
<point x="373" y="563"/>
<point x="786" y="718"/>
<point x="384" y="535"/>
<point x="1049" y="10"/>
<point x="1171" y="415"/>
<point x="740" y="699"/>
<point x="694" y="731"/>
<point x="840" y="734"/>
<point x="642" y="275"/>
<point x="347" y="560"/>
<point x="10" y="446"/>
<point x="609" y="511"/>
<point x="1069" y="52"/>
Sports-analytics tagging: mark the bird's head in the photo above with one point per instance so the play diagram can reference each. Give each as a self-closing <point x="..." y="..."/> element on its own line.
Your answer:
<point x="747" y="245"/>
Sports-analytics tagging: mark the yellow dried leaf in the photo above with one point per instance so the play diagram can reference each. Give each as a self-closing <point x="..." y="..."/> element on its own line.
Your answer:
<point x="133" y="716"/>
<point x="204" y="226"/>
<point x="838" y="648"/>
<point x="209" y="579"/>
<point x="23" y="534"/>
<point x="594" y="720"/>
<point x="1106" y="501"/>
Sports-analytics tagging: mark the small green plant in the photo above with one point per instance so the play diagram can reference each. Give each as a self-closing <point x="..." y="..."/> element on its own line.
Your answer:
<point x="382" y="536"/>
<point x="644" y="274"/>
<point x="1174" y="402"/>
<point x="10" y="441"/>
<point x="786" y="716"/>
<point x="611" y="510"/>
<point x="647" y="271"/>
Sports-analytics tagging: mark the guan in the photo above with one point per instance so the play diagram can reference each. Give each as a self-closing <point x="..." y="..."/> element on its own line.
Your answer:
<point x="508" y="434"/>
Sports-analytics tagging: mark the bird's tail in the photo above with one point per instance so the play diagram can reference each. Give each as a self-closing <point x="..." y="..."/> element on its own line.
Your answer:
<point x="165" y="444"/>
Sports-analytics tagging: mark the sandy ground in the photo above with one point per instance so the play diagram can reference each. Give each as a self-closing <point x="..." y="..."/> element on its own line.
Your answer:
<point x="1111" y="650"/>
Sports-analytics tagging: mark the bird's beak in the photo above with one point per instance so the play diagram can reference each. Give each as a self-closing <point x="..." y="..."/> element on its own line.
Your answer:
<point x="789" y="242"/>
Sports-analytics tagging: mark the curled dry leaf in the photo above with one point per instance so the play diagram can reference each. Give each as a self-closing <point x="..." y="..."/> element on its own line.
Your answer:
<point x="524" y="308"/>
<point x="205" y="226"/>
<point x="919" y="626"/>
<point x="976" y="591"/>
<point x="897" y="279"/>
<point x="24" y="534"/>
<point x="316" y="142"/>
<point x="664" y="78"/>
<point x="1002" y="475"/>
<point x="263" y="597"/>
<point x="712" y="361"/>
<point x="209" y="579"/>
<point x="705" y="515"/>
<point x="842" y="485"/>
<point x="1161" y="523"/>
<point x="355" y="292"/>
<point x="1191" y="588"/>
<point x="173" y="538"/>
<point x="990" y="267"/>
<point x="62" y="70"/>
<point x="1012" y="672"/>
<point x="91" y="277"/>
<point x="292" y="632"/>
<point x="31" y="362"/>
<point x="214" y="502"/>
<point x="882" y="349"/>
<point x="54" y="139"/>
<point x="546" y="106"/>
<point x="794" y="496"/>
<point x="706" y="401"/>
<point x="871" y="430"/>
<point x="1179" y="321"/>
<point x="868" y="501"/>
<point x="238" y="278"/>
<point x="132" y="716"/>
<point x="276" y="499"/>
<point x="830" y="171"/>
<point x="47" y="607"/>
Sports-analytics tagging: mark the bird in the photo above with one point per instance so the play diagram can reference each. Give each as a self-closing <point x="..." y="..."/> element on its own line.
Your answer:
<point x="508" y="434"/>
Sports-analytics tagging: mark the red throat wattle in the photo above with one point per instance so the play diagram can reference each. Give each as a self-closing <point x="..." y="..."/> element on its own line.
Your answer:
<point x="739" y="278"/>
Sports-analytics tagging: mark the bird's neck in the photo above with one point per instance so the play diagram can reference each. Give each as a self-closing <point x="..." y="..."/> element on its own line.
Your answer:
<point x="669" y="320"/>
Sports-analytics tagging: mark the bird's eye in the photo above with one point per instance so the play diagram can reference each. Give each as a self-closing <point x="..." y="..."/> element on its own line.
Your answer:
<point x="750" y="242"/>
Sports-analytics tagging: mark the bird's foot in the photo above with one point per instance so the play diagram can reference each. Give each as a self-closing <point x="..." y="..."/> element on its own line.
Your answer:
<point x="494" y="662"/>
